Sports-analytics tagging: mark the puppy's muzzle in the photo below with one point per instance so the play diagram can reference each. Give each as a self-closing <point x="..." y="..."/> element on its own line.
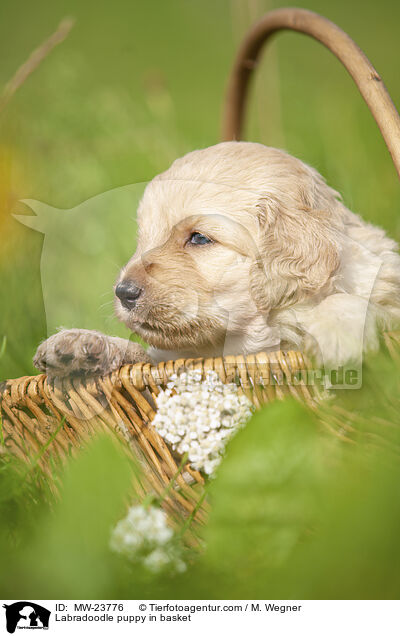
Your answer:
<point x="128" y="293"/>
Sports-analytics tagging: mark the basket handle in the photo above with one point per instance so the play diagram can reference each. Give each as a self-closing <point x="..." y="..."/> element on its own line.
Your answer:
<point x="346" y="50"/>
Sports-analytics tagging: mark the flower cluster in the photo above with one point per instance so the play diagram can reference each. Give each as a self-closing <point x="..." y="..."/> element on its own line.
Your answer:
<point x="198" y="418"/>
<point x="143" y="536"/>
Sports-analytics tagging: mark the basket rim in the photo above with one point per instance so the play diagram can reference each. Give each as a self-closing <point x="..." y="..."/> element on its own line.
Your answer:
<point x="145" y="375"/>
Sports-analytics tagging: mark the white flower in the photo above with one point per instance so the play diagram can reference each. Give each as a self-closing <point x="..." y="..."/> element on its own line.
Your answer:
<point x="144" y="536"/>
<point x="156" y="560"/>
<point x="200" y="417"/>
<point x="160" y="559"/>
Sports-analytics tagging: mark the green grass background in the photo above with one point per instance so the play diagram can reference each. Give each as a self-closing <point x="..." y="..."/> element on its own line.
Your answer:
<point x="136" y="84"/>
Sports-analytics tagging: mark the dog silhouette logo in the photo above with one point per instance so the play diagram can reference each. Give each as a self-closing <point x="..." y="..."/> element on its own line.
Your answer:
<point x="26" y="615"/>
<point x="75" y="242"/>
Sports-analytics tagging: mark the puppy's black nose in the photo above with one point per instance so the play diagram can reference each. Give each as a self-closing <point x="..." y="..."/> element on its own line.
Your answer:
<point x="128" y="293"/>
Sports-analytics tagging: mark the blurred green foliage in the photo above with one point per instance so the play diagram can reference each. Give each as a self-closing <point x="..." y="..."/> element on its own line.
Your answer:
<point x="296" y="513"/>
<point x="138" y="84"/>
<point x="306" y="516"/>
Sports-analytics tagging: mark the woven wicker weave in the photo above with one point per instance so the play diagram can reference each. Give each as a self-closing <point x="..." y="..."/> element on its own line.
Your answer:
<point x="51" y="422"/>
<point x="33" y="410"/>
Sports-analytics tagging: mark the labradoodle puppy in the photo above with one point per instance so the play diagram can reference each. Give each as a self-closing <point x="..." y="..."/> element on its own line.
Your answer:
<point x="243" y="248"/>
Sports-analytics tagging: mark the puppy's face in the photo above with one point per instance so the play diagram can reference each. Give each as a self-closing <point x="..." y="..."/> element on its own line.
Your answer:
<point x="210" y="255"/>
<point x="189" y="278"/>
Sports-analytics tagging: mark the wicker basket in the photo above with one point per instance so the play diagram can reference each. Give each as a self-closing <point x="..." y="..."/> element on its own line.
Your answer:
<point x="50" y="422"/>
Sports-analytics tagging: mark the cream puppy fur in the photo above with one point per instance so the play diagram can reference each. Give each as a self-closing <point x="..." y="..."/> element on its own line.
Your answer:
<point x="243" y="248"/>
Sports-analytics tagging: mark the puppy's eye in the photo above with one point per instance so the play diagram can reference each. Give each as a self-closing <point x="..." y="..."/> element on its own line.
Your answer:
<point x="199" y="239"/>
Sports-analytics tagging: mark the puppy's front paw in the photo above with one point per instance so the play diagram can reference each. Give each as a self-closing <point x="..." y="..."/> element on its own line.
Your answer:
<point x="84" y="352"/>
<point x="73" y="351"/>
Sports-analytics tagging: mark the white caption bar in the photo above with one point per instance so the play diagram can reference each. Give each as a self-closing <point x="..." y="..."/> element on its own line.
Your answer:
<point x="278" y="618"/>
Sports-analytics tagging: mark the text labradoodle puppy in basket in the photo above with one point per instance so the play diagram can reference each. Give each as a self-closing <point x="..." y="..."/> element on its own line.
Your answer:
<point x="241" y="249"/>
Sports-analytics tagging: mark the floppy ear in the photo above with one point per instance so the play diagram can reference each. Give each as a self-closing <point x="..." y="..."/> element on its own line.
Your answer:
<point x="299" y="253"/>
